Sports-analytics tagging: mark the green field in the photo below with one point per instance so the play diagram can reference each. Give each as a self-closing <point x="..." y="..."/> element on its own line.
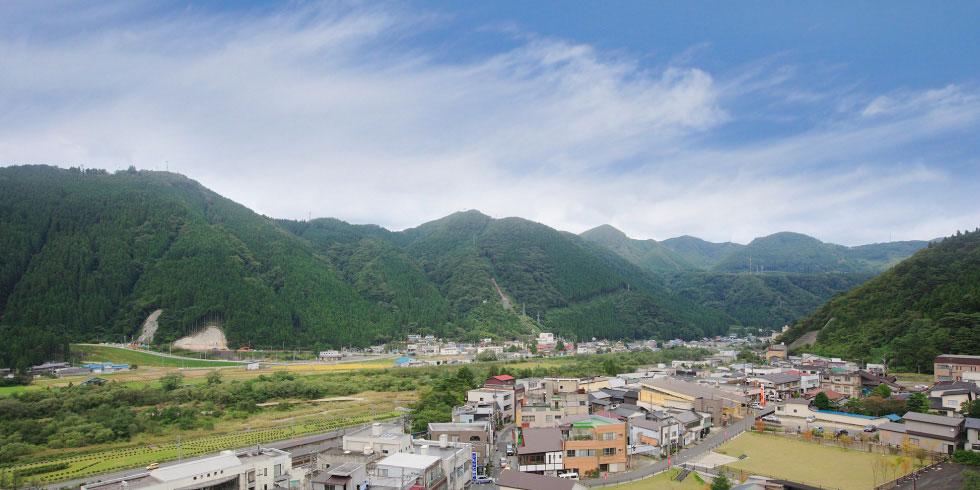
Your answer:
<point x="94" y="353"/>
<point x="664" y="481"/>
<point x="117" y="460"/>
<point x="809" y="463"/>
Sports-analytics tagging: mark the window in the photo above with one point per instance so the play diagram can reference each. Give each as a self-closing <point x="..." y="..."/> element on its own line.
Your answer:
<point x="278" y="470"/>
<point x="570" y="453"/>
<point x="383" y="472"/>
<point x="474" y="438"/>
<point x="527" y="418"/>
<point x="607" y="436"/>
<point x="581" y="403"/>
<point x="913" y="440"/>
<point x="608" y="451"/>
<point x="549" y="418"/>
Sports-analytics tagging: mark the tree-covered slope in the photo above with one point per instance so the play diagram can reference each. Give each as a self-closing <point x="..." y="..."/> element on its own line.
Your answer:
<point x="795" y="252"/>
<point x="926" y="305"/>
<point x="88" y="255"/>
<point x="765" y="301"/>
<point x="649" y="255"/>
<point x="700" y="253"/>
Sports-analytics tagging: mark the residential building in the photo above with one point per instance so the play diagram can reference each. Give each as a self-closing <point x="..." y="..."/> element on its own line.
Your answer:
<point x="594" y="443"/>
<point x="694" y="426"/>
<point x="847" y="384"/>
<point x="346" y="476"/>
<point x="541" y="415"/>
<point x="456" y="458"/>
<point x="478" y="434"/>
<point x="950" y="367"/>
<point x="934" y="433"/>
<point x="948" y="397"/>
<point x="410" y="471"/>
<point x="972" y="427"/>
<point x="379" y="438"/>
<point x="779" y="385"/>
<point x="516" y="480"/>
<point x="480" y="412"/>
<point x="505" y="409"/>
<point x="540" y="451"/>
<point x="254" y="469"/>
<point x="654" y="437"/>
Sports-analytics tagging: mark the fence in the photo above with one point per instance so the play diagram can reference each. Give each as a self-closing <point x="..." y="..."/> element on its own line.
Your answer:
<point x="864" y="446"/>
<point x="905" y="478"/>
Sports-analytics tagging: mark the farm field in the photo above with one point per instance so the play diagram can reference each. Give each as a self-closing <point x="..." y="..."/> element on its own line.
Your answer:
<point x="664" y="481"/>
<point x="808" y="463"/>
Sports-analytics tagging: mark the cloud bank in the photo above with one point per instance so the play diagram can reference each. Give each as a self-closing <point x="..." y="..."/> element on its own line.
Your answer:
<point x="344" y="112"/>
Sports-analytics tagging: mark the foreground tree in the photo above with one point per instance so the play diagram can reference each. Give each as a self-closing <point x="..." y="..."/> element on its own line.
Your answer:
<point x="721" y="482"/>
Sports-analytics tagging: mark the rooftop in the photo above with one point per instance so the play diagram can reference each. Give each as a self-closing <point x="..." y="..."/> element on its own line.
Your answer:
<point x="459" y="426"/>
<point x="530" y="481"/>
<point x="540" y="440"/>
<point x="405" y="460"/>
<point x="932" y="419"/>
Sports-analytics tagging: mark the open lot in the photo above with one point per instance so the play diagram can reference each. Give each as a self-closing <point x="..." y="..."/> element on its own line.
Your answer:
<point x="664" y="481"/>
<point x="810" y="463"/>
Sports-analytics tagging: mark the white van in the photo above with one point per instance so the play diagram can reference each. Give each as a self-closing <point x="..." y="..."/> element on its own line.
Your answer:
<point x="571" y="475"/>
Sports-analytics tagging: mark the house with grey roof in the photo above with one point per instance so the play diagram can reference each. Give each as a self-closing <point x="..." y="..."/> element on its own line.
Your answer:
<point x="972" y="427"/>
<point x="517" y="480"/>
<point x="540" y="451"/>
<point x="934" y="433"/>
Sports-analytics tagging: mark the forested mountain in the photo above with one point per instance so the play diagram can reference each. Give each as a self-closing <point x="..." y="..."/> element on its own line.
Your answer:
<point x="926" y="305"/>
<point x="702" y="254"/>
<point x="795" y="252"/>
<point x="87" y="255"/>
<point x="649" y="255"/>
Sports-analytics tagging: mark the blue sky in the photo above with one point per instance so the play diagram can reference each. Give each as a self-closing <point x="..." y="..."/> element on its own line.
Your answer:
<point x="852" y="122"/>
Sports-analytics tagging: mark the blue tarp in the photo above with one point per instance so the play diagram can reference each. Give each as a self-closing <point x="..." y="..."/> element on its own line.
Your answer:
<point x="893" y="417"/>
<point x="403" y="360"/>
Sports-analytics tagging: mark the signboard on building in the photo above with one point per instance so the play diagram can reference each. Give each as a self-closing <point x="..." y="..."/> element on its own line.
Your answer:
<point x="474" y="465"/>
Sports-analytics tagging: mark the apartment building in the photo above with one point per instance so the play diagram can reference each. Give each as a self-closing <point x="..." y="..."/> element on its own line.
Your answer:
<point x="455" y="457"/>
<point x="950" y="367"/>
<point x="594" y="443"/>
<point x="845" y="383"/>
<point x="724" y="406"/>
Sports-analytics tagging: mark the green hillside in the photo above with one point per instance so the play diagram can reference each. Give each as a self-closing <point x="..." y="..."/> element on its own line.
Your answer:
<point x="926" y="305"/>
<point x="763" y="301"/>
<point x="649" y="255"/>
<point x="87" y="255"/>
<point x="795" y="252"/>
<point x="700" y="253"/>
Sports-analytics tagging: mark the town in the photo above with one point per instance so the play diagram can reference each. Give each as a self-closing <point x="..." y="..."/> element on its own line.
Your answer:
<point x="571" y="433"/>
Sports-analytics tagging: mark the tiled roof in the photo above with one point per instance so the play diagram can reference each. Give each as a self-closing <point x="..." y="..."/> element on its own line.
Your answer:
<point x="540" y="440"/>
<point x="932" y="419"/>
<point x="530" y="481"/>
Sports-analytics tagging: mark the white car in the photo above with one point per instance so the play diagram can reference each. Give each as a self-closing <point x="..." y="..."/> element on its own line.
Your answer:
<point x="568" y="476"/>
<point x="757" y="406"/>
<point x="771" y="418"/>
<point x="483" y="479"/>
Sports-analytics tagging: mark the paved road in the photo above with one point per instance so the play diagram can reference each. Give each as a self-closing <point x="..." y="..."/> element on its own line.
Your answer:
<point x="683" y="456"/>
<point x="274" y="363"/>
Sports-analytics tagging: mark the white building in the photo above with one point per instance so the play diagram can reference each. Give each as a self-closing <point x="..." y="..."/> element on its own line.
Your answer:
<point x="545" y="338"/>
<point x="254" y="469"/>
<point x="405" y="470"/>
<point x="456" y="458"/>
<point x="378" y="438"/>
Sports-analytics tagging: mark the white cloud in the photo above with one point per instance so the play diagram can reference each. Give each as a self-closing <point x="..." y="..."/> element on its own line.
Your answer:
<point x="341" y="113"/>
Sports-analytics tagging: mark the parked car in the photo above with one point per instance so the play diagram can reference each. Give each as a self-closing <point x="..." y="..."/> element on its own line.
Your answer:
<point x="771" y="418"/>
<point x="810" y="419"/>
<point x="503" y="461"/>
<point x="817" y="429"/>
<point x="571" y="475"/>
<point x="870" y="428"/>
<point x="757" y="406"/>
<point x="510" y="449"/>
<point x="840" y="432"/>
<point x="483" y="479"/>
<point x="153" y="466"/>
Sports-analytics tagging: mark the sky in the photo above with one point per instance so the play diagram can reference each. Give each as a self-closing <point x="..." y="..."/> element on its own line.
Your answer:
<point x="853" y="122"/>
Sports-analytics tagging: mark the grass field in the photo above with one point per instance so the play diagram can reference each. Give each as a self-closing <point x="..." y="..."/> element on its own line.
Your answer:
<point x="664" y="481"/>
<point x="808" y="463"/>
<point x="94" y="353"/>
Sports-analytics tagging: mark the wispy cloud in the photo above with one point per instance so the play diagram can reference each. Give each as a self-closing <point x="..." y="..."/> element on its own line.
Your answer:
<point x="342" y="112"/>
